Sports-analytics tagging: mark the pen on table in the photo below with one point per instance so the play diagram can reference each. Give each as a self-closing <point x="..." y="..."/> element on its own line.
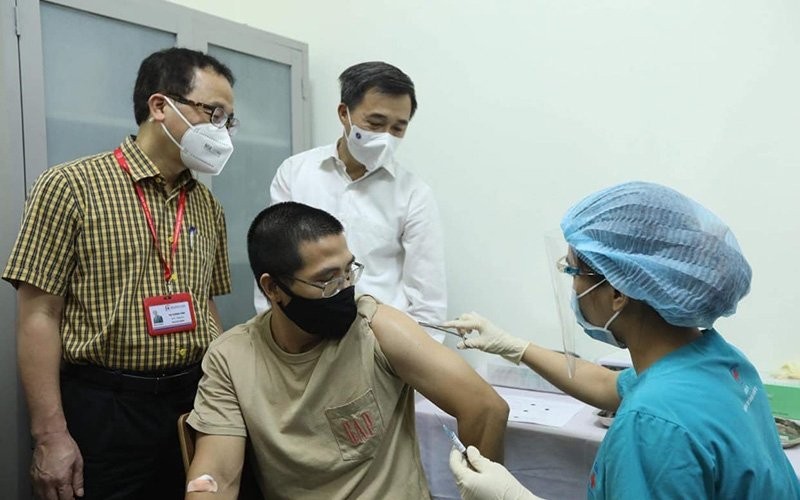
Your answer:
<point x="451" y="331"/>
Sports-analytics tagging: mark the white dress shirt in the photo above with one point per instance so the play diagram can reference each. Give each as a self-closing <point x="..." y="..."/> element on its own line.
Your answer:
<point x="391" y="224"/>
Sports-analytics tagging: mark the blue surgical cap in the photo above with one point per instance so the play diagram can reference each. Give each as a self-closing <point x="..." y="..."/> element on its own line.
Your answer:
<point x="655" y="245"/>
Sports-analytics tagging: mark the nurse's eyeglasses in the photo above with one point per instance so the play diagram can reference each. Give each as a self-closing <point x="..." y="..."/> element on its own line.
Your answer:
<point x="563" y="266"/>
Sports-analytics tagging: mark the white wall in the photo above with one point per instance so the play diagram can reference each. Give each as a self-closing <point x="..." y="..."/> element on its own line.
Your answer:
<point x="527" y="105"/>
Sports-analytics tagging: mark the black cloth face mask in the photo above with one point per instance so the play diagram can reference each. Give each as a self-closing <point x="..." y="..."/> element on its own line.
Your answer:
<point x="328" y="318"/>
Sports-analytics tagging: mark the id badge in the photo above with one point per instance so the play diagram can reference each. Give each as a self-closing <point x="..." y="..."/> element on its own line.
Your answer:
<point x="169" y="314"/>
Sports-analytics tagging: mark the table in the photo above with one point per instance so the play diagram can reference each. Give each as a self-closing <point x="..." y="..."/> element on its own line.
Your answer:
<point x="552" y="462"/>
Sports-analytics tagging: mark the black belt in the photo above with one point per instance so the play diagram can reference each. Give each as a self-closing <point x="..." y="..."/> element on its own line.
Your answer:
<point x="149" y="382"/>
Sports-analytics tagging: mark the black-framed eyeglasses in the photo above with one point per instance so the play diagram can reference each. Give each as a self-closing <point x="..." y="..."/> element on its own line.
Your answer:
<point x="219" y="118"/>
<point x="563" y="266"/>
<point x="332" y="287"/>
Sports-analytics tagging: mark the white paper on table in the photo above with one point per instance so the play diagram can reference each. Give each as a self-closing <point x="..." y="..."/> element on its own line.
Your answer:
<point x="543" y="411"/>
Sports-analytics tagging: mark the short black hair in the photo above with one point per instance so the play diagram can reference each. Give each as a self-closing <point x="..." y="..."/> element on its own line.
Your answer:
<point x="357" y="80"/>
<point x="171" y="71"/>
<point x="274" y="237"/>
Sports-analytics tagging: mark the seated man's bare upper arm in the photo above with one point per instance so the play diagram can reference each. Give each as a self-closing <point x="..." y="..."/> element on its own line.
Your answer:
<point x="434" y="370"/>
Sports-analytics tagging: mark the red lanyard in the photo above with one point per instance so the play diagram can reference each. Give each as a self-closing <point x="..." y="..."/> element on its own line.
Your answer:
<point x="176" y="232"/>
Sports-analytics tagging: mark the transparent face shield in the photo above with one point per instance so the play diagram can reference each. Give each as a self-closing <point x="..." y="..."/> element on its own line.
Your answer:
<point x="555" y="249"/>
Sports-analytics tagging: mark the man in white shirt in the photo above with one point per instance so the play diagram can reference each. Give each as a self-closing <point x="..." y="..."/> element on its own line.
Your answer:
<point x="390" y="216"/>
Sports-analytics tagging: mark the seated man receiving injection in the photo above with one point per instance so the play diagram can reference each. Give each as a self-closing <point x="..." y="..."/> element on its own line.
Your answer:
<point x="321" y="386"/>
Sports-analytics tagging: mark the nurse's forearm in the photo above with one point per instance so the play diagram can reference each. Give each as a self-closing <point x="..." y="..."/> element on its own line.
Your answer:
<point x="591" y="383"/>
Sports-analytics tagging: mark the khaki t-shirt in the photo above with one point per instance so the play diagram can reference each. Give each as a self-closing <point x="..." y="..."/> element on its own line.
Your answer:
<point x="332" y="422"/>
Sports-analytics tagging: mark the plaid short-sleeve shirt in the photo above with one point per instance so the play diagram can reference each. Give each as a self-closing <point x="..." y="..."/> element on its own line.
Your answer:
<point x="84" y="237"/>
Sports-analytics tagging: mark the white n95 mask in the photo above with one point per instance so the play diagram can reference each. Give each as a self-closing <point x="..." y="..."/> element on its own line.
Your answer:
<point x="205" y="147"/>
<point x="371" y="149"/>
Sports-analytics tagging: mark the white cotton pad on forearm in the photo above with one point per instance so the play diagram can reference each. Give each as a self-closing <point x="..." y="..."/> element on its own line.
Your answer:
<point x="204" y="483"/>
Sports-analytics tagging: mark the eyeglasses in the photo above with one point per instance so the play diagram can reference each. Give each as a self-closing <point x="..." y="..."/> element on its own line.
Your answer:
<point x="219" y="118"/>
<point x="563" y="266"/>
<point x="336" y="285"/>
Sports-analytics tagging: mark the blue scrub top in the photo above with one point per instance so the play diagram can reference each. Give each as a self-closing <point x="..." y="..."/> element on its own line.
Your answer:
<point x="695" y="424"/>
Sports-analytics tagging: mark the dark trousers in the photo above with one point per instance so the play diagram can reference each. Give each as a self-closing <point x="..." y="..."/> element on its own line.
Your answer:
<point x="127" y="433"/>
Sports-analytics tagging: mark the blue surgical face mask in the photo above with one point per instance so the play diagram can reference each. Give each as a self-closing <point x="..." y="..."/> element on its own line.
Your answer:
<point x="603" y="334"/>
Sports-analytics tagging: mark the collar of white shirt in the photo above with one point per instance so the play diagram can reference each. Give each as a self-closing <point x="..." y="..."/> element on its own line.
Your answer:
<point x="390" y="167"/>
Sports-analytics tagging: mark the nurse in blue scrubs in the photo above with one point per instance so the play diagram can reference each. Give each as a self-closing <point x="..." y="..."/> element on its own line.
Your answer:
<point x="651" y="271"/>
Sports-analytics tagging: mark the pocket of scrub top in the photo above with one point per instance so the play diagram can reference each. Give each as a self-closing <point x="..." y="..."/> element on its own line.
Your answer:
<point x="357" y="427"/>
